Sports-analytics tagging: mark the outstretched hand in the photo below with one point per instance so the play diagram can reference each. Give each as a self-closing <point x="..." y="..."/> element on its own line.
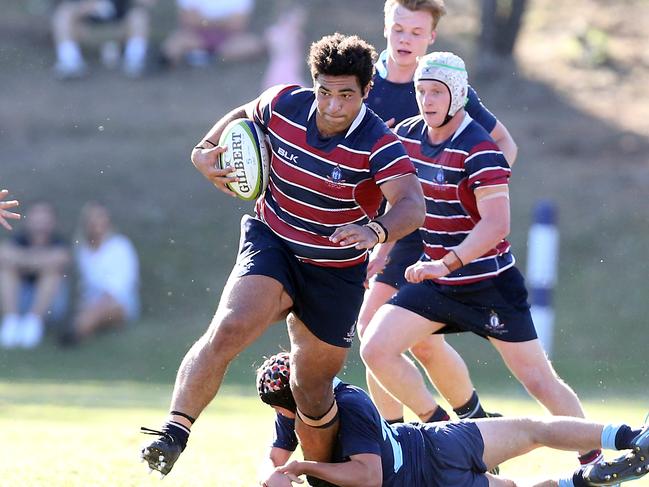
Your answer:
<point x="4" y="206"/>
<point x="207" y="163"/>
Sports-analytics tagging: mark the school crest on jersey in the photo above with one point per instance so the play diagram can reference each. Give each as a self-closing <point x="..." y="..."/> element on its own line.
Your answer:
<point x="336" y="176"/>
<point x="495" y="325"/>
<point x="440" y="177"/>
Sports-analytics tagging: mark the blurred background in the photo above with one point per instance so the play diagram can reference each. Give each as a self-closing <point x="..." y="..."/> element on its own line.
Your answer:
<point x="569" y="80"/>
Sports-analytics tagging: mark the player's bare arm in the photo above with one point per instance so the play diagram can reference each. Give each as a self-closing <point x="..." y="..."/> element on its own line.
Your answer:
<point x="268" y="474"/>
<point x="505" y="142"/>
<point x="493" y="206"/>
<point x="6" y="205"/>
<point x="362" y="470"/>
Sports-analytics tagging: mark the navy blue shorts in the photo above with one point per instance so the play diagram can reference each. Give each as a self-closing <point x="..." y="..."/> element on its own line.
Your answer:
<point x="326" y="299"/>
<point x="455" y="453"/>
<point x="405" y="252"/>
<point x="494" y="307"/>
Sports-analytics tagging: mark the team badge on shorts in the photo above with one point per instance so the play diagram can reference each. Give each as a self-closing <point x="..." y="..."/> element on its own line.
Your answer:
<point x="495" y="325"/>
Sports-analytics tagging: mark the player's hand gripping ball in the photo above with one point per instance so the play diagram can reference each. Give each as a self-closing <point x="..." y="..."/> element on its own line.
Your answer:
<point x="248" y="156"/>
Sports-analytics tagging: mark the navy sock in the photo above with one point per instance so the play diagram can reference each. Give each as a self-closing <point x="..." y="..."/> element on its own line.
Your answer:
<point x="472" y="408"/>
<point x="395" y="420"/>
<point x="625" y="435"/>
<point x="438" y="415"/>
<point x="578" y="479"/>
<point x="178" y="432"/>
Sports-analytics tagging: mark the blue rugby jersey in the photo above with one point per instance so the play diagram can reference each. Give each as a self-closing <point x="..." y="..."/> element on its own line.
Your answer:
<point x="319" y="184"/>
<point x="449" y="173"/>
<point x="402" y="449"/>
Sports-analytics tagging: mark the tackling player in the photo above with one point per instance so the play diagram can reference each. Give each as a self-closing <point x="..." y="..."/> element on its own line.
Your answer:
<point x="371" y="453"/>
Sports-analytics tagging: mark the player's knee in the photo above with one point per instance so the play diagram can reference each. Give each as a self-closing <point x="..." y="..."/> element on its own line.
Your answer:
<point x="226" y="334"/>
<point x="373" y="353"/>
<point x="313" y="396"/>
<point x="427" y="350"/>
<point x="536" y="383"/>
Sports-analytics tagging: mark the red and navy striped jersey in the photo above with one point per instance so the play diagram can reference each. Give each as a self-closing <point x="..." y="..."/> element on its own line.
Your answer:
<point x="449" y="173"/>
<point x="318" y="184"/>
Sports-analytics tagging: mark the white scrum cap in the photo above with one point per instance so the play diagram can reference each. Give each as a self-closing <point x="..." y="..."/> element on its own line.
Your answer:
<point x="449" y="69"/>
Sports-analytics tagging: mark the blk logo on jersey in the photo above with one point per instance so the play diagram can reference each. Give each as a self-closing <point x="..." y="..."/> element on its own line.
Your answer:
<point x="495" y="325"/>
<point x="289" y="157"/>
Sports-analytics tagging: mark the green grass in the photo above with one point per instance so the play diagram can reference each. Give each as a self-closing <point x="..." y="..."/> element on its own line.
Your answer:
<point x="86" y="434"/>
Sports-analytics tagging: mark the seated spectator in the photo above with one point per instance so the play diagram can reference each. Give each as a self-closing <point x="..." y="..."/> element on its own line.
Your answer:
<point x="108" y="277"/>
<point x="209" y="28"/>
<point x="4" y="207"/>
<point x="69" y="17"/>
<point x="32" y="287"/>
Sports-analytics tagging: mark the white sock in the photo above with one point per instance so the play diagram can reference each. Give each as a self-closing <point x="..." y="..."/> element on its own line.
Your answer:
<point x="608" y="436"/>
<point x="69" y="53"/>
<point x="135" y="50"/>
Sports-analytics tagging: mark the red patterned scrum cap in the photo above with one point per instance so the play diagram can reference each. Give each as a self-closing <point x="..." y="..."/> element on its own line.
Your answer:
<point x="273" y="384"/>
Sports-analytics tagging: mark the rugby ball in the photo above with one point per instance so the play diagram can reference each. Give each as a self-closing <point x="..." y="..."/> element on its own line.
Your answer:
<point x="248" y="155"/>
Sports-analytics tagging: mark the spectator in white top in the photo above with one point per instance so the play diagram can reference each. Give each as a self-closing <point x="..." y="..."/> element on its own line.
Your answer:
<point x="108" y="277"/>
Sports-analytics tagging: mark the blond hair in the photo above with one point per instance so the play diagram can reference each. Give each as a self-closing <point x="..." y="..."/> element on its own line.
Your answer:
<point x="434" y="7"/>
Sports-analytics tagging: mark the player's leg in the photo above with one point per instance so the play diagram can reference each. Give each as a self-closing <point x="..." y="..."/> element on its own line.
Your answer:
<point x="249" y="304"/>
<point x="529" y="363"/>
<point x="449" y="374"/>
<point x="137" y="22"/>
<point x="314" y="364"/>
<point x="10" y="284"/>
<point x="526" y="434"/>
<point x="569" y="434"/>
<point x="105" y="312"/>
<point x="392" y="331"/>
<point x="378" y="294"/>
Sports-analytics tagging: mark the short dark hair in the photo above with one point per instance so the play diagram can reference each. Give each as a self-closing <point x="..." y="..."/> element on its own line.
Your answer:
<point x="341" y="55"/>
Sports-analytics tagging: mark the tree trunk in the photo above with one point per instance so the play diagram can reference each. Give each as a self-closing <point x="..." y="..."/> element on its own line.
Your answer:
<point x="501" y="23"/>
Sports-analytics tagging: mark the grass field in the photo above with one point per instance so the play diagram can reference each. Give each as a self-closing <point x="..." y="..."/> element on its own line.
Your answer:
<point x="86" y="434"/>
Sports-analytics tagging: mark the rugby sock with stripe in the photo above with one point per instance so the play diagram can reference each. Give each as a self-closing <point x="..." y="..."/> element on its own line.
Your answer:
<point x="591" y="457"/>
<point x="618" y="436"/>
<point x="472" y="408"/>
<point x="395" y="420"/>
<point x="179" y="432"/>
<point x="438" y="415"/>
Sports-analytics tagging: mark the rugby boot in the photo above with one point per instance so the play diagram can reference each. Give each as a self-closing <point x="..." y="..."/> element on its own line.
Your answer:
<point x="161" y="453"/>
<point x="631" y="466"/>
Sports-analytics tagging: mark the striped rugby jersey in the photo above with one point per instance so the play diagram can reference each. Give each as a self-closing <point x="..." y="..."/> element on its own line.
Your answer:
<point x="319" y="184"/>
<point x="449" y="174"/>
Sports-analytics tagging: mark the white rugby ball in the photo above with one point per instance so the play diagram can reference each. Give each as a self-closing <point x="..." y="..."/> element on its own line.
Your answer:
<point x="248" y="156"/>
